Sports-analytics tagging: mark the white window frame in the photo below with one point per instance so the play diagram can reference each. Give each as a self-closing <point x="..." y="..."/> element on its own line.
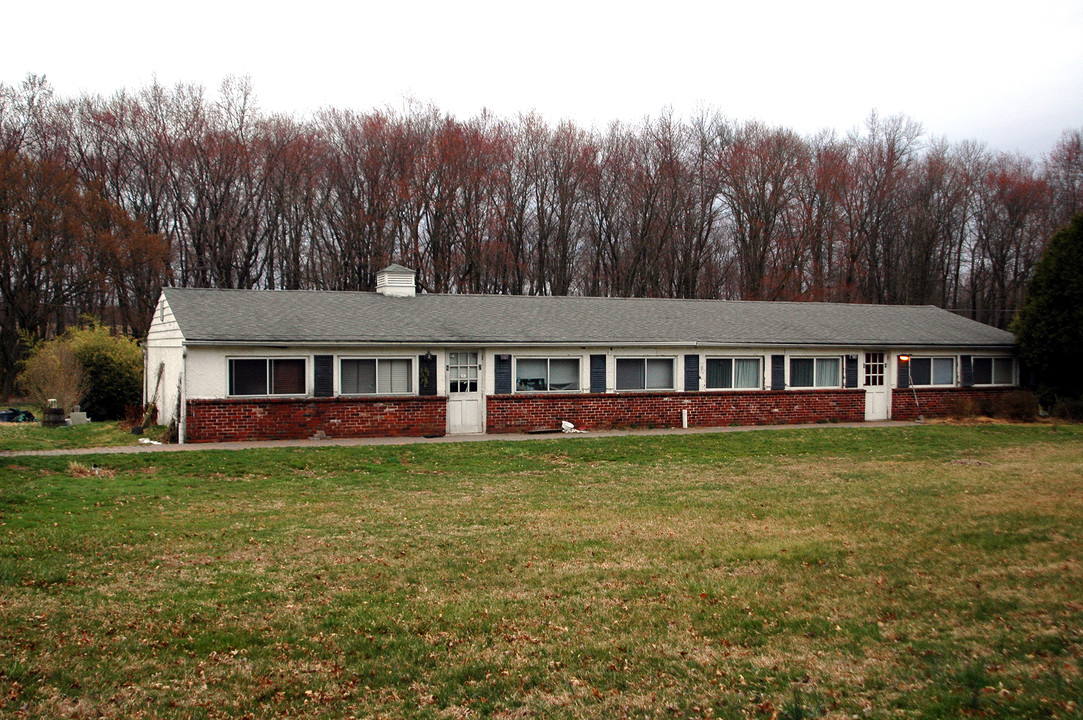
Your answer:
<point x="878" y="361"/>
<point x="412" y="374"/>
<point x="992" y="370"/>
<point x="733" y="372"/>
<point x="932" y="371"/>
<point x="816" y="359"/>
<point x="548" y="373"/>
<point x="645" y="359"/>
<point x="270" y="375"/>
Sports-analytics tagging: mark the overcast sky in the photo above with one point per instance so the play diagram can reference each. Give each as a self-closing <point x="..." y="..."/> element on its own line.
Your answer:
<point x="1009" y="74"/>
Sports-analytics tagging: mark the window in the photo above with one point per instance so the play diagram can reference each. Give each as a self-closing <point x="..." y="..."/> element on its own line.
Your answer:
<point x="874" y="369"/>
<point x="994" y="371"/>
<point x="733" y="373"/>
<point x="462" y="372"/>
<point x="815" y="372"/>
<point x="644" y="373"/>
<point x="932" y="371"/>
<point x="546" y="374"/>
<point x="266" y="376"/>
<point x="376" y="376"/>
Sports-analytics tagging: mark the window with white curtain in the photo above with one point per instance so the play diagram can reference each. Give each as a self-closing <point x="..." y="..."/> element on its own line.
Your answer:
<point x="734" y="373"/>
<point x="815" y="372"/>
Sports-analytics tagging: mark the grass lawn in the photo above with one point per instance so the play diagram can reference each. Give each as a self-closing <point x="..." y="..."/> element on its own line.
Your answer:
<point x="913" y="572"/>
<point x="32" y="436"/>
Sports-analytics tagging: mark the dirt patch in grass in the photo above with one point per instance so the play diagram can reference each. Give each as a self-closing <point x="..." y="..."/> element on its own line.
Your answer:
<point x="78" y="470"/>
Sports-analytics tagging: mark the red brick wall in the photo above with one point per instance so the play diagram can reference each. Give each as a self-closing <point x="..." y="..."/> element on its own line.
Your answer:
<point x="291" y="418"/>
<point x="933" y="402"/>
<point x="523" y="413"/>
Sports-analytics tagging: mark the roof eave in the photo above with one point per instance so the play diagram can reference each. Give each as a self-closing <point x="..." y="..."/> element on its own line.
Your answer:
<point x="880" y="345"/>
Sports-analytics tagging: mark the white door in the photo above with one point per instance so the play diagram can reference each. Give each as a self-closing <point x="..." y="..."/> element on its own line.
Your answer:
<point x="877" y="391"/>
<point x="464" y="393"/>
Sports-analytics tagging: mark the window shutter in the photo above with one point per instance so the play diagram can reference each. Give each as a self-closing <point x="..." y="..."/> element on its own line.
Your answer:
<point x="323" y="375"/>
<point x="426" y="365"/>
<point x="1027" y="378"/>
<point x="502" y="375"/>
<point x="691" y="373"/>
<point x="966" y="370"/>
<point x="778" y="372"/>
<point x="851" y="371"/>
<point x="903" y="373"/>
<point x="597" y="373"/>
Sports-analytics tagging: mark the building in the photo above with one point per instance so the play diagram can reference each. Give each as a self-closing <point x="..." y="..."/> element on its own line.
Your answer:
<point x="271" y="364"/>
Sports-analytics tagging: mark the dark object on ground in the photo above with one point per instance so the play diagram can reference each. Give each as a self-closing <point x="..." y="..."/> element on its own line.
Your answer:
<point x="1070" y="409"/>
<point x="137" y="430"/>
<point x="53" y="417"/>
<point x="16" y="416"/>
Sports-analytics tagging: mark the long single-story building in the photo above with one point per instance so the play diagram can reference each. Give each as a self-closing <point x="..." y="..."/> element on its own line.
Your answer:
<point x="276" y="364"/>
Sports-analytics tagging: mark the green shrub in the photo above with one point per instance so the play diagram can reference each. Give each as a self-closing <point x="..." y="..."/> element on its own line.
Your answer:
<point x="114" y="371"/>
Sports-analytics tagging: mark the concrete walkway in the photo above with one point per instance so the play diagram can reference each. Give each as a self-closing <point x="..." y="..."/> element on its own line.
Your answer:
<point x="353" y="442"/>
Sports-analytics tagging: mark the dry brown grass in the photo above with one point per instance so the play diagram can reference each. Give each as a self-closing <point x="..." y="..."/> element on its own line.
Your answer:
<point x="78" y="470"/>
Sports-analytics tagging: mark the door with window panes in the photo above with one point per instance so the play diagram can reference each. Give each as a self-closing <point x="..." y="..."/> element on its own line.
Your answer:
<point x="877" y="389"/>
<point x="464" y="392"/>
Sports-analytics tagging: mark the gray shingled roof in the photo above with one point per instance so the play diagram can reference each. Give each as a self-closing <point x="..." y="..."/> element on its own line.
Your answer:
<point x="286" y="316"/>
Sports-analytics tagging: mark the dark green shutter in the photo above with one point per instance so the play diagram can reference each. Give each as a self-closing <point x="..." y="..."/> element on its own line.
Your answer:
<point x="778" y="372"/>
<point x="903" y="373"/>
<point x="323" y="375"/>
<point x="502" y="375"/>
<point x="597" y="373"/>
<point x="426" y="374"/>
<point x="966" y="370"/>
<point x="851" y="371"/>
<point x="691" y="373"/>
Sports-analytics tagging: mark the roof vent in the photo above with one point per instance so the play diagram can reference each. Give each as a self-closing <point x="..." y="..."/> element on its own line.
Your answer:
<point x="396" y="281"/>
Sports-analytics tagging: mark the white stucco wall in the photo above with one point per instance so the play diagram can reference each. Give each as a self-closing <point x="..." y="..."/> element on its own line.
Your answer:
<point x="208" y="367"/>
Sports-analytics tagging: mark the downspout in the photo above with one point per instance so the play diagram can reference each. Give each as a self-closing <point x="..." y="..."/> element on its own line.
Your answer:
<point x="146" y="371"/>
<point x="182" y="421"/>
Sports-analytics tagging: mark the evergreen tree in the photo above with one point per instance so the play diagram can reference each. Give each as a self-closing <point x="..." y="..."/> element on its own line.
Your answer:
<point x="1049" y="328"/>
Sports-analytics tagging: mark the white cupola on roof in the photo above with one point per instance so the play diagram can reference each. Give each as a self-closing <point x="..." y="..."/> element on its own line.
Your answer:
<point x="396" y="281"/>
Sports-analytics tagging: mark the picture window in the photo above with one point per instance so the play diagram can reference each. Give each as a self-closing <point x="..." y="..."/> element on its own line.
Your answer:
<point x="645" y="374"/>
<point x="266" y="376"/>
<point x="819" y="372"/>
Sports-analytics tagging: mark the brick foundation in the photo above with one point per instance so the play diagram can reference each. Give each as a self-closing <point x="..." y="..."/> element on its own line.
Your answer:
<point x="526" y="413"/>
<point x="938" y="402"/>
<point x="291" y="418"/>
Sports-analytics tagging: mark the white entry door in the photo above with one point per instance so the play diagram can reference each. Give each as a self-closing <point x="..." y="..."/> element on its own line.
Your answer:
<point x="464" y="393"/>
<point x="877" y="391"/>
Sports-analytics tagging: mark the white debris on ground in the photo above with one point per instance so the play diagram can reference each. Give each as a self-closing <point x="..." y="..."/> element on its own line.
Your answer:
<point x="148" y="441"/>
<point x="567" y="427"/>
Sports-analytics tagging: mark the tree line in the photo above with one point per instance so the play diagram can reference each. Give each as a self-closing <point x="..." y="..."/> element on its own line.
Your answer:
<point x="105" y="199"/>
